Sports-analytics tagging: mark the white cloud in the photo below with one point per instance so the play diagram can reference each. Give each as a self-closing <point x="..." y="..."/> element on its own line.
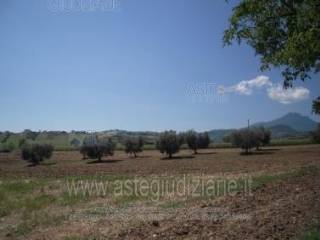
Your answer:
<point x="287" y="96"/>
<point x="274" y="91"/>
<point x="246" y="87"/>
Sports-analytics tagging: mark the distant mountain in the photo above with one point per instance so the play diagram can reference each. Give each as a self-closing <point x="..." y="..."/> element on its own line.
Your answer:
<point x="290" y="125"/>
<point x="282" y="131"/>
<point x="295" y="121"/>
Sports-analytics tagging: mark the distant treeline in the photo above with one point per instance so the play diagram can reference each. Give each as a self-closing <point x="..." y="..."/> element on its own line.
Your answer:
<point x="62" y="140"/>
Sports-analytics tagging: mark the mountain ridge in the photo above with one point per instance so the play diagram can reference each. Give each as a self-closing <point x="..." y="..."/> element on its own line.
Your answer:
<point x="296" y="121"/>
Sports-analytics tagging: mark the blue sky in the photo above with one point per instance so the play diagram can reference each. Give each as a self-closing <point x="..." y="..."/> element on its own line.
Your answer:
<point x="130" y="68"/>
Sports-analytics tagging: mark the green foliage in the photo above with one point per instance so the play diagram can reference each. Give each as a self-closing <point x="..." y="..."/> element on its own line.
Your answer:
<point x="134" y="145"/>
<point x="36" y="153"/>
<point x="95" y="148"/>
<point x="314" y="234"/>
<point x="169" y="143"/>
<point x="284" y="33"/>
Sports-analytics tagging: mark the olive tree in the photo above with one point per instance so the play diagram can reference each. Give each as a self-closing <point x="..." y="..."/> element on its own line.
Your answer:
<point x="203" y="140"/>
<point x="98" y="148"/>
<point x="243" y="138"/>
<point x="196" y="140"/>
<point x="248" y="138"/>
<point x="262" y="137"/>
<point x="191" y="138"/>
<point x="36" y="153"/>
<point x="169" y="143"/>
<point x="133" y="145"/>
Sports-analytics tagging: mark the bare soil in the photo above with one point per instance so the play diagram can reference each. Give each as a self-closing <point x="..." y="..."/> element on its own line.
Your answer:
<point x="281" y="208"/>
<point x="209" y="161"/>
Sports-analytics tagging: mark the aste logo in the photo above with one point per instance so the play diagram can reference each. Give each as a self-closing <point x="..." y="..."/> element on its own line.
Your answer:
<point x="206" y="92"/>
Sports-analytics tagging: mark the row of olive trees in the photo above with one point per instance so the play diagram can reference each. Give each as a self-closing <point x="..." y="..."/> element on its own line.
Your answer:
<point x="249" y="138"/>
<point x="169" y="142"/>
<point x="95" y="148"/>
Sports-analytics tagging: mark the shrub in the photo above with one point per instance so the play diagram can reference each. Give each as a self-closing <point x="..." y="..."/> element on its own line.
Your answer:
<point x="134" y="145"/>
<point x="97" y="149"/>
<point x="36" y="153"/>
<point x="169" y="143"/>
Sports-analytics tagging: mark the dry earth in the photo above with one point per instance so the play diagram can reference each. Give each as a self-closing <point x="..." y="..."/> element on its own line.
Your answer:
<point x="284" y="202"/>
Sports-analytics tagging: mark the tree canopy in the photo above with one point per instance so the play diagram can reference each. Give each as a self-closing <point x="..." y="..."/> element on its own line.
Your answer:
<point x="284" y="33"/>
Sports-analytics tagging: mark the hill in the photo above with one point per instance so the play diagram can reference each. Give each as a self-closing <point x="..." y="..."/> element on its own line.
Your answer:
<point x="290" y="125"/>
<point x="295" y="121"/>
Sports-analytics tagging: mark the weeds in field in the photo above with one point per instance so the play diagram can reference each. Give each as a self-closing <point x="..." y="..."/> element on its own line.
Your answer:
<point x="261" y="181"/>
<point x="16" y="195"/>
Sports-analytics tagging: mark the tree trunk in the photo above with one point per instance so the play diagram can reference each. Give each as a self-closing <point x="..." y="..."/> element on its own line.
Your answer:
<point x="135" y="155"/>
<point x="170" y="155"/>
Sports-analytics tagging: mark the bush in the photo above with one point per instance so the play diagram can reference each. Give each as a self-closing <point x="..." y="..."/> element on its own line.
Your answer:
<point x="36" y="153"/>
<point x="97" y="149"/>
<point x="134" y="145"/>
<point x="169" y="143"/>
